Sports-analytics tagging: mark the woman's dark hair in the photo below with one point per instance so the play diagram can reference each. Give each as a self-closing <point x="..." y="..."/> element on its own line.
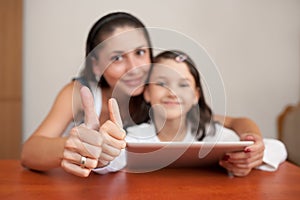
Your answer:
<point x="98" y="33"/>
<point x="200" y="114"/>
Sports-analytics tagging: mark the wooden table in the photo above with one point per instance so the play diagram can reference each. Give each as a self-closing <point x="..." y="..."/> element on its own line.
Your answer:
<point x="19" y="183"/>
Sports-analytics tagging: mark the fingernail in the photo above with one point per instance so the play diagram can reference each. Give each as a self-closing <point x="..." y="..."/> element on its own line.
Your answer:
<point x="226" y="157"/>
<point x="250" y="137"/>
<point x="247" y="150"/>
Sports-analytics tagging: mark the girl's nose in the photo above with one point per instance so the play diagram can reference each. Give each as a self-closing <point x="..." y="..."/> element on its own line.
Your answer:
<point x="172" y="91"/>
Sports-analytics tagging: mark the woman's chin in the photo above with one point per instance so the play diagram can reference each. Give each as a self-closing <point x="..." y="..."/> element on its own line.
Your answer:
<point x="136" y="91"/>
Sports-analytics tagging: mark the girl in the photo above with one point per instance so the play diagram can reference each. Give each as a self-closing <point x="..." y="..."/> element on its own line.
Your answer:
<point x="174" y="109"/>
<point x="111" y="59"/>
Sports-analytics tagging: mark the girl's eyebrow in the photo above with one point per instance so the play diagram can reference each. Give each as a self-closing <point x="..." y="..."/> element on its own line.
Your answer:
<point x="184" y="79"/>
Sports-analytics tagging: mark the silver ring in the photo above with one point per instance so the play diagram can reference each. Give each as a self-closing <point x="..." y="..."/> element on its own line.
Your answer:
<point x="82" y="161"/>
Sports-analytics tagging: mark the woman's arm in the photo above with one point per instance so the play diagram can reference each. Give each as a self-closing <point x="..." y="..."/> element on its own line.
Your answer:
<point x="47" y="149"/>
<point x="44" y="148"/>
<point x="239" y="125"/>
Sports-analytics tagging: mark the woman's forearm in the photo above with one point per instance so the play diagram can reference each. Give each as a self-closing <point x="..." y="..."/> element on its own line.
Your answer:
<point x="240" y="125"/>
<point x="244" y="125"/>
<point x="42" y="153"/>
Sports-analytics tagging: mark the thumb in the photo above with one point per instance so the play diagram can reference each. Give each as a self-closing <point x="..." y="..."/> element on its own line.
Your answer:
<point x="90" y="117"/>
<point x="114" y="112"/>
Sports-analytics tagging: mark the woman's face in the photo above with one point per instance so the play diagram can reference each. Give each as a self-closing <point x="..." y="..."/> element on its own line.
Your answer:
<point x="173" y="88"/>
<point x="124" y="60"/>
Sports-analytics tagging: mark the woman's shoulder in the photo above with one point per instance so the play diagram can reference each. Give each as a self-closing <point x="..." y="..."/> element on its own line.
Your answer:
<point x="70" y="93"/>
<point x="70" y="89"/>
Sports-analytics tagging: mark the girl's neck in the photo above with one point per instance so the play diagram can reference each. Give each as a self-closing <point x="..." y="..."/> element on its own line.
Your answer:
<point x="172" y="130"/>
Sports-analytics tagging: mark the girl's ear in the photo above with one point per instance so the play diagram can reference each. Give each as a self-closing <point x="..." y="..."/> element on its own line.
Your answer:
<point x="197" y="96"/>
<point x="146" y="94"/>
<point x="96" y="68"/>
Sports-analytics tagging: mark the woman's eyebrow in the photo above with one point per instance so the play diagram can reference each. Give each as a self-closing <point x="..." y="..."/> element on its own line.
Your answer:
<point x="117" y="52"/>
<point x="127" y="51"/>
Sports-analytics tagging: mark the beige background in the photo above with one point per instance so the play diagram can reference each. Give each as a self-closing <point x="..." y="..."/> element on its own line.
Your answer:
<point x="254" y="43"/>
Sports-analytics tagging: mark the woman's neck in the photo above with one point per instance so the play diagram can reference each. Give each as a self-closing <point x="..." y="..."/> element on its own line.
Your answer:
<point x="172" y="130"/>
<point x="122" y="100"/>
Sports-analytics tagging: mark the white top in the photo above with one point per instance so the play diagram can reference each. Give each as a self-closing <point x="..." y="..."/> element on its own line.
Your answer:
<point x="97" y="94"/>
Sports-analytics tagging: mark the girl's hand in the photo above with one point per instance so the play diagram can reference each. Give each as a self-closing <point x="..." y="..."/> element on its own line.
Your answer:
<point x="113" y="135"/>
<point x="241" y="163"/>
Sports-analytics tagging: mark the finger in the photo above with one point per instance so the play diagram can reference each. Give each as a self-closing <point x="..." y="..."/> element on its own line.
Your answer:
<point x="114" y="112"/>
<point x="257" y="139"/>
<point x="236" y="171"/>
<point x="90" y="117"/>
<point x="110" y="150"/>
<point x="104" y="158"/>
<point x="75" y="158"/>
<point x="249" y="165"/>
<point x="75" y="144"/>
<point x="249" y="158"/>
<point x="238" y="155"/>
<point x="89" y="136"/>
<point x="113" y="130"/>
<point x="75" y="169"/>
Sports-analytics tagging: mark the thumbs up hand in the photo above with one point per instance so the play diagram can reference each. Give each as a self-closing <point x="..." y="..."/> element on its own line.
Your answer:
<point x="88" y="146"/>
<point x="113" y="135"/>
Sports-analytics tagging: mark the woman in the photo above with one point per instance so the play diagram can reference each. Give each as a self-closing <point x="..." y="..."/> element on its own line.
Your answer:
<point x="112" y="59"/>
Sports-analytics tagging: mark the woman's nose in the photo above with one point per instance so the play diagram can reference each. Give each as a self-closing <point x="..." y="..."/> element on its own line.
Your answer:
<point x="131" y="61"/>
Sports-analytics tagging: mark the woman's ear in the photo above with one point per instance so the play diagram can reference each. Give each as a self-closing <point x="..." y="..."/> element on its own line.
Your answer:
<point x="146" y="94"/>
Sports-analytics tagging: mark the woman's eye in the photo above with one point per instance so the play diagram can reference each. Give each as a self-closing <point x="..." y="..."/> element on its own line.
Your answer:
<point x="140" y="52"/>
<point x="117" y="58"/>
<point x="184" y="85"/>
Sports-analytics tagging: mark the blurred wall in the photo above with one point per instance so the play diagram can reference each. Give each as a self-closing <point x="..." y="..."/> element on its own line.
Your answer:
<point x="255" y="45"/>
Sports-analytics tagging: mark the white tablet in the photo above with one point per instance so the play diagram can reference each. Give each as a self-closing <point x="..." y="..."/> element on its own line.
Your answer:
<point x="144" y="157"/>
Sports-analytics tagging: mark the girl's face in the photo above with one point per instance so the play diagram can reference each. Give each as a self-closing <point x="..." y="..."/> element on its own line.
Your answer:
<point x="173" y="88"/>
<point x="124" y="60"/>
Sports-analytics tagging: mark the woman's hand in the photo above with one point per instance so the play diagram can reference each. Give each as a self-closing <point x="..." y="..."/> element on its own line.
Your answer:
<point x="241" y="163"/>
<point x="86" y="145"/>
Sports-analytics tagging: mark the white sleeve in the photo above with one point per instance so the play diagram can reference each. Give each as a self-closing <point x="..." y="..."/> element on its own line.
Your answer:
<point x="115" y="165"/>
<point x="275" y="153"/>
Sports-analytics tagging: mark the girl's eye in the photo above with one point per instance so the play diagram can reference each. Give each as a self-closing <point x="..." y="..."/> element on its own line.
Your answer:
<point x="117" y="58"/>
<point x="140" y="52"/>
<point x="160" y="83"/>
